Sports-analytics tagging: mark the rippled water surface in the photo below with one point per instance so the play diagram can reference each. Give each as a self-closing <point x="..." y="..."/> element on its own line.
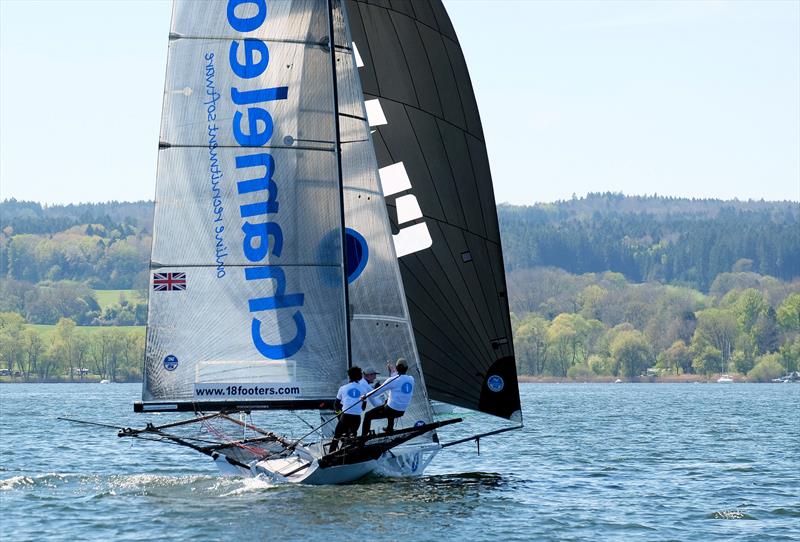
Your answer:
<point x="594" y="462"/>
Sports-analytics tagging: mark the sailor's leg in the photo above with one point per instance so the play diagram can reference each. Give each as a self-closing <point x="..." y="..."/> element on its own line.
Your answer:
<point x="337" y="433"/>
<point x="352" y="425"/>
<point x="374" y="414"/>
<point x="391" y="415"/>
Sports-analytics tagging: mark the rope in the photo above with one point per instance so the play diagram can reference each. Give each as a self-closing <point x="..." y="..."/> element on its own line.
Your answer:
<point x="219" y="434"/>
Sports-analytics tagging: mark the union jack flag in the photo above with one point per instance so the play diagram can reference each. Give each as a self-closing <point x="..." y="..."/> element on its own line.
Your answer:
<point x="169" y="281"/>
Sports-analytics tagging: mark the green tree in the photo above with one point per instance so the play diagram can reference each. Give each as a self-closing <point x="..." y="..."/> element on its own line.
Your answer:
<point x="64" y="346"/>
<point x="788" y="313"/>
<point x="745" y="353"/>
<point x="717" y="328"/>
<point x="569" y="336"/>
<point x="590" y="300"/>
<point x="766" y="331"/>
<point x="631" y="352"/>
<point x="768" y="367"/>
<point x="530" y="342"/>
<point x="677" y="358"/>
<point x="790" y="352"/>
<point x="707" y="360"/>
<point x="748" y="307"/>
<point x="33" y="349"/>
<point x="11" y="326"/>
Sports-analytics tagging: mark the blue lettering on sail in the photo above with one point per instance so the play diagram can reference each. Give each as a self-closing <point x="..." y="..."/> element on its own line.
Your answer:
<point x="252" y="126"/>
<point x="214" y="171"/>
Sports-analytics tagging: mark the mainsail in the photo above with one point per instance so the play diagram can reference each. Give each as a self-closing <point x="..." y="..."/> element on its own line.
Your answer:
<point x="435" y="175"/>
<point x="247" y="289"/>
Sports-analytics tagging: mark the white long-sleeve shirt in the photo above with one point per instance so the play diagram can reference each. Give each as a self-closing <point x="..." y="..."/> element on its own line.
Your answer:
<point x="400" y="390"/>
<point x="374" y="399"/>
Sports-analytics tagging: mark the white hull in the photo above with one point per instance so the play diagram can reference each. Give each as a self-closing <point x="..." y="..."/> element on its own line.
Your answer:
<point x="302" y="466"/>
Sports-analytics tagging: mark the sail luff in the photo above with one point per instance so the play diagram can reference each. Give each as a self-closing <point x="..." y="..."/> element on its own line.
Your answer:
<point x="340" y="180"/>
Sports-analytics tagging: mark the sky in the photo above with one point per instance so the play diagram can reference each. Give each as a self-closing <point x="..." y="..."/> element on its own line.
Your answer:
<point x="677" y="98"/>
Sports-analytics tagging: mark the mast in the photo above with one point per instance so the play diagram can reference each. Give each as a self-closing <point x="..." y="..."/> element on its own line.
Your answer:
<point x="337" y="135"/>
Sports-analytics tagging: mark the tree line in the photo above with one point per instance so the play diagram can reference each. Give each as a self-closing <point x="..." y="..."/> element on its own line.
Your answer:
<point x="602" y="325"/>
<point x="67" y="354"/>
<point x="602" y="285"/>
<point x="46" y="302"/>
<point x="606" y="232"/>
<point x="669" y="240"/>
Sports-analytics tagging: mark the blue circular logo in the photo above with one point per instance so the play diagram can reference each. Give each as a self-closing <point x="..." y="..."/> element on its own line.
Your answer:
<point x="419" y="423"/>
<point x="357" y="253"/>
<point x="407" y="387"/>
<point x="354" y="393"/>
<point x="495" y="383"/>
<point x="170" y="363"/>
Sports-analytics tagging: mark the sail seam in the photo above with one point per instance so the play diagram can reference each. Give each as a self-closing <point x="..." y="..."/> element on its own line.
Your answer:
<point x="461" y="274"/>
<point x="476" y="183"/>
<point x="405" y="59"/>
<point x="430" y="67"/>
<point x="452" y="174"/>
<point x="505" y="321"/>
<point x="451" y="123"/>
<point x="483" y="290"/>
<point x="439" y="220"/>
<point x="424" y="159"/>
<point x="466" y="337"/>
<point x="175" y="37"/>
<point x="448" y="356"/>
<point x="420" y="21"/>
<point x="398" y="319"/>
<point x="281" y="147"/>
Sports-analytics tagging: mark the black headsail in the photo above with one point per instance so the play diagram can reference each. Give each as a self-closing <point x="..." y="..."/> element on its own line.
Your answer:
<point x="435" y="175"/>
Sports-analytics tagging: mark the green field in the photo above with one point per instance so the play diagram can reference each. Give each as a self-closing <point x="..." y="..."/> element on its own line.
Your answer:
<point x="46" y="331"/>
<point x="106" y="298"/>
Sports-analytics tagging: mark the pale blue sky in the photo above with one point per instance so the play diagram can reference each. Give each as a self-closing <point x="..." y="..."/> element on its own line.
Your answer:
<point x="697" y="99"/>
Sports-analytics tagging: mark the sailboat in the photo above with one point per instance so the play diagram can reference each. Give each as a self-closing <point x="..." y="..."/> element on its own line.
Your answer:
<point x="323" y="201"/>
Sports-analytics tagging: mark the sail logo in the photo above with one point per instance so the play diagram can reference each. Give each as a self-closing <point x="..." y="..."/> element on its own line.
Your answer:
<point x="495" y="383"/>
<point x="414" y="234"/>
<point x="170" y="363"/>
<point x="252" y="127"/>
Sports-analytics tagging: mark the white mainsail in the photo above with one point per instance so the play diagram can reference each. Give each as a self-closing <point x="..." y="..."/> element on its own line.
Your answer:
<point x="247" y="289"/>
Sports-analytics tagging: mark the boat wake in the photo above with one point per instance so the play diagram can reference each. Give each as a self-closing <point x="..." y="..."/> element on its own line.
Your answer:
<point x="98" y="486"/>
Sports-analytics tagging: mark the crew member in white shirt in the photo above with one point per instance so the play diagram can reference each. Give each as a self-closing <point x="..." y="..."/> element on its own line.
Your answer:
<point x="348" y="406"/>
<point x="400" y="387"/>
<point x="368" y="384"/>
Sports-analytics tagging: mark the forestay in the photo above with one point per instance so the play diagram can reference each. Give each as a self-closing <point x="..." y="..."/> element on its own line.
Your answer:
<point x="247" y="284"/>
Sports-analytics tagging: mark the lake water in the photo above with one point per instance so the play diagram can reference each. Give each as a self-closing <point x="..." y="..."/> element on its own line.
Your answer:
<point x="594" y="462"/>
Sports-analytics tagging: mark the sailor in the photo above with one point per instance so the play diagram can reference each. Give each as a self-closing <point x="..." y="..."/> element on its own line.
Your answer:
<point x="400" y="387"/>
<point x="369" y="378"/>
<point x="369" y="384"/>
<point x="348" y="407"/>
